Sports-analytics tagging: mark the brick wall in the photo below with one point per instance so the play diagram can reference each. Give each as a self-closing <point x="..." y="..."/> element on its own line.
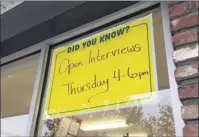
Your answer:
<point x="185" y="37"/>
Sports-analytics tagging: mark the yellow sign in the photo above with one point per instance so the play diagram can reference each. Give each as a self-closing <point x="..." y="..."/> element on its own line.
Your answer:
<point x="103" y="71"/>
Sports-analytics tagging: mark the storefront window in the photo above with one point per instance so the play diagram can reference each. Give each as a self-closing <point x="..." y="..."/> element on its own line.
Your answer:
<point x="17" y="83"/>
<point x="151" y="118"/>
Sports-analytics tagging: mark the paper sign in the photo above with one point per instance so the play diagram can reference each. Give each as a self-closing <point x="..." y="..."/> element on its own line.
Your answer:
<point x="63" y="127"/>
<point x="105" y="70"/>
<point x="74" y="128"/>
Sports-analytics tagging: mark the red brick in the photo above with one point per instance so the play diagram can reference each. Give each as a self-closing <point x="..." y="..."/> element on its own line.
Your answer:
<point x="190" y="91"/>
<point x="172" y="3"/>
<point x="185" y="22"/>
<point x="184" y="54"/>
<point x="197" y="4"/>
<point x="185" y="37"/>
<point x="178" y="10"/>
<point x="190" y="130"/>
<point x="185" y="72"/>
<point x="190" y="112"/>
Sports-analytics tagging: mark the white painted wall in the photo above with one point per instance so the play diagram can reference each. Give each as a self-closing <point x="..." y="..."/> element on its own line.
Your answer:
<point x="14" y="126"/>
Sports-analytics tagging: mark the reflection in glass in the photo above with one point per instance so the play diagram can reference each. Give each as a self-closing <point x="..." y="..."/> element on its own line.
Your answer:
<point x="17" y="83"/>
<point x="154" y="119"/>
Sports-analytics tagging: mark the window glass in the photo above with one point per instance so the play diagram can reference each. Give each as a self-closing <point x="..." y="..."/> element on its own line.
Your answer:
<point x="153" y="118"/>
<point x="17" y="83"/>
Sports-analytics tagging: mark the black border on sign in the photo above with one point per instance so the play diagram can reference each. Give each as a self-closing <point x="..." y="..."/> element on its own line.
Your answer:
<point x="112" y="103"/>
